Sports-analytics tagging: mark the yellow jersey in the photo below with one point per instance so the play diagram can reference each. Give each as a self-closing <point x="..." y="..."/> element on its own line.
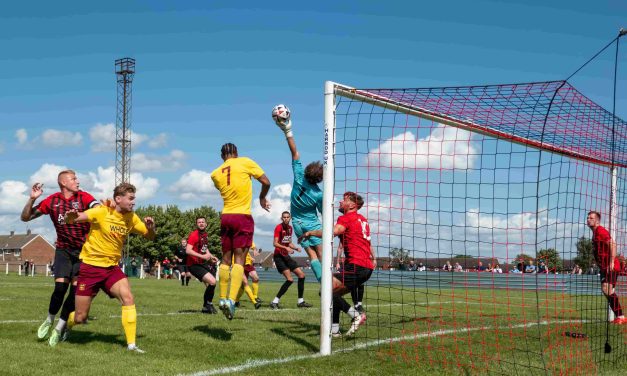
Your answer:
<point x="107" y="234"/>
<point x="234" y="181"/>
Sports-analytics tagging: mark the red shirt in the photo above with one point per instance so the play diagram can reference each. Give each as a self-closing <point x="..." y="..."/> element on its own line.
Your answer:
<point x="356" y="239"/>
<point x="601" y="243"/>
<point x="69" y="237"/>
<point x="284" y="234"/>
<point x="200" y="243"/>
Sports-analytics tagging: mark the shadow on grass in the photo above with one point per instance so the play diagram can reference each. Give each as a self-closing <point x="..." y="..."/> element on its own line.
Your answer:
<point x="189" y="311"/>
<point x="215" y="333"/>
<point x="297" y="331"/>
<point x="82" y="337"/>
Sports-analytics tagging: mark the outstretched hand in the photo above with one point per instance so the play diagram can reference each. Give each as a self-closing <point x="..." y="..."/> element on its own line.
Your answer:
<point x="265" y="204"/>
<point x="36" y="191"/>
<point x="150" y="223"/>
<point x="70" y="216"/>
<point x="108" y="202"/>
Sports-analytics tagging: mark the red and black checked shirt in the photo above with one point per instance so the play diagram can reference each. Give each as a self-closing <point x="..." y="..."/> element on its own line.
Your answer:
<point x="200" y="243"/>
<point x="69" y="237"/>
<point x="284" y="234"/>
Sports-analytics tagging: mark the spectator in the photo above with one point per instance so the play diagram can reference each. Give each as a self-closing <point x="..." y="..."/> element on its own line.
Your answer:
<point x="146" y="265"/>
<point x="157" y="268"/>
<point x="576" y="270"/>
<point x="458" y="267"/>
<point x="497" y="269"/>
<point x="26" y="264"/>
<point x="447" y="267"/>
<point x="421" y="267"/>
<point x="531" y="268"/>
<point x="489" y="269"/>
<point x="542" y="268"/>
<point x="167" y="272"/>
<point x="133" y="267"/>
<point x="480" y="267"/>
<point x="412" y="267"/>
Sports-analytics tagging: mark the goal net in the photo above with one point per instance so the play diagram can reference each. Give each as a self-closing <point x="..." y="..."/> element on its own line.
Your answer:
<point x="477" y="199"/>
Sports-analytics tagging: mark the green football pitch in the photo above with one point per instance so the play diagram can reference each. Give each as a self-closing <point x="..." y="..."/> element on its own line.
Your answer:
<point x="408" y="332"/>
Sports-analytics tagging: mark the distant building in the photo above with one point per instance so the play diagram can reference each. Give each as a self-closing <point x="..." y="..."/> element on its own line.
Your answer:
<point x="17" y="248"/>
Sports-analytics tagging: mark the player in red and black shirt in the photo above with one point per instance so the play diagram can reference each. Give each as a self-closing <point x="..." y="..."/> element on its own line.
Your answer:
<point x="354" y="232"/>
<point x="70" y="239"/>
<point x="285" y="264"/>
<point x="198" y="256"/>
<point x="605" y="255"/>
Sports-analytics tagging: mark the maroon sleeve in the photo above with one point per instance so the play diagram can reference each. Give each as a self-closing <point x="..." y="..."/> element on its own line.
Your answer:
<point x="44" y="206"/>
<point x="88" y="200"/>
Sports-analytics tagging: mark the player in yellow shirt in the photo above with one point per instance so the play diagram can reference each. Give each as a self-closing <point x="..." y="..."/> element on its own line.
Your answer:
<point x="250" y="271"/>
<point x="234" y="181"/>
<point x="101" y="254"/>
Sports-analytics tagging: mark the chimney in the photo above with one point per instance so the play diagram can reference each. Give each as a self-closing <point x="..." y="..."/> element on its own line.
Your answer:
<point x="12" y="233"/>
<point x="28" y="232"/>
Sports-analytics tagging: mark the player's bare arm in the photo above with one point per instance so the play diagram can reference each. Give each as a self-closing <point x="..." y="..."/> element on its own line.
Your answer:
<point x="28" y="213"/>
<point x="189" y="250"/>
<point x="265" y="188"/>
<point x="73" y="216"/>
<point x="337" y="230"/>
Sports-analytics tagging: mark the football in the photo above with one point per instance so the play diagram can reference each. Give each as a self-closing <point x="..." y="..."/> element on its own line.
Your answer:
<point x="280" y="113"/>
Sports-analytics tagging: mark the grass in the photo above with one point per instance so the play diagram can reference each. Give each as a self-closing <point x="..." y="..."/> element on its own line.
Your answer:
<point x="441" y="331"/>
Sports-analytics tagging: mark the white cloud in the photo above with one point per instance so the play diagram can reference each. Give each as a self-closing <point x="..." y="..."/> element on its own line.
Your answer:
<point x="42" y="226"/>
<point x="22" y="136"/>
<point x="55" y="138"/>
<point x="170" y="162"/>
<point x="101" y="183"/>
<point x="445" y="148"/>
<point x="195" y="185"/>
<point x="13" y="196"/>
<point x="279" y="197"/>
<point x="103" y="138"/>
<point x="48" y="174"/>
<point x="159" y="141"/>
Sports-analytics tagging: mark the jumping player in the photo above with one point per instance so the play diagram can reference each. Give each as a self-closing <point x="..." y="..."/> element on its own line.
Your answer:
<point x="197" y="256"/>
<point x="101" y="254"/>
<point x="285" y="264"/>
<point x="305" y="199"/>
<point x="605" y="255"/>
<point x="70" y="239"/>
<point x="233" y="180"/>
<point x="354" y="232"/>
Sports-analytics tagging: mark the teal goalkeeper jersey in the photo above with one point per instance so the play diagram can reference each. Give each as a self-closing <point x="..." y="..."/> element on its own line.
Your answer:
<point x="306" y="198"/>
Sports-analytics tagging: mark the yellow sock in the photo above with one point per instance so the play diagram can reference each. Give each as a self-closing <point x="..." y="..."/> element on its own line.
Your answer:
<point x="224" y="280"/>
<point x="250" y="294"/>
<point x="237" y="276"/>
<point x="70" y="321"/>
<point x="129" y="322"/>
<point x="240" y="293"/>
<point x="256" y="289"/>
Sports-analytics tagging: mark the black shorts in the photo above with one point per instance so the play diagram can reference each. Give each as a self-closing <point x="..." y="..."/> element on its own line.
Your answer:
<point x="183" y="268"/>
<point x="200" y="270"/>
<point x="610" y="277"/>
<point x="284" y="263"/>
<point x="353" y="275"/>
<point x="66" y="263"/>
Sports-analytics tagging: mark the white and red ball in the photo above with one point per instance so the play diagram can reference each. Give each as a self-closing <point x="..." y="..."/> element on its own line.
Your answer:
<point x="280" y="113"/>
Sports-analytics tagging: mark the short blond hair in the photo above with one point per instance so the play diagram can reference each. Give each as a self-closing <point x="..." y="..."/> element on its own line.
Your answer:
<point x="64" y="172"/>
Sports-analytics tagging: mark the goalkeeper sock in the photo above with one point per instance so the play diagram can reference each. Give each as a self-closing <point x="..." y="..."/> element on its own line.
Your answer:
<point x="317" y="269"/>
<point x="237" y="276"/>
<point x="224" y="274"/>
<point x="256" y="289"/>
<point x="129" y="322"/>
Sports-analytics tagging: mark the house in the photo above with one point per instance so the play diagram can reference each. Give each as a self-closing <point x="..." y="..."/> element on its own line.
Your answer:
<point x="17" y="248"/>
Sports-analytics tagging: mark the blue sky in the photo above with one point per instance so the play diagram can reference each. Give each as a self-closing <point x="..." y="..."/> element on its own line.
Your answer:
<point x="210" y="72"/>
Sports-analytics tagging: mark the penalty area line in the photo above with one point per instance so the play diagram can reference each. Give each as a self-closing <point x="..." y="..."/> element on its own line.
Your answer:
<point x="256" y="363"/>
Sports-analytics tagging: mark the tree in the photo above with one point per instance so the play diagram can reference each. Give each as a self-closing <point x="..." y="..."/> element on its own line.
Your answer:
<point x="172" y="226"/>
<point x="398" y="256"/>
<point x="551" y="258"/>
<point x="521" y="257"/>
<point x="585" y="253"/>
<point x="459" y="256"/>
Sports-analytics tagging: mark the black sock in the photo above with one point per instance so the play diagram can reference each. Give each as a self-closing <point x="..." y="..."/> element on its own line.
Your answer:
<point x="182" y="280"/>
<point x="286" y="285"/>
<point x="360" y="293"/>
<point x="209" y="292"/>
<point x="301" y="287"/>
<point x="615" y="304"/>
<point x="187" y="281"/>
<point x="341" y="304"/>
<point x="56" y="300"/>
<point x="68" y="306"/>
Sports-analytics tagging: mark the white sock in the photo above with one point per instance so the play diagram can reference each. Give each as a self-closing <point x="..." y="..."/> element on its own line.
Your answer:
<point x="131" y="346"/>
<point x="50" y="318"/>
<point x="358" y="304"/>
<point x="60" y="325"/>
<point x="352" y="312"/>
<point x="335" y="328"/>
<point x="275" y="300"/>
<point x="300" y="300"/>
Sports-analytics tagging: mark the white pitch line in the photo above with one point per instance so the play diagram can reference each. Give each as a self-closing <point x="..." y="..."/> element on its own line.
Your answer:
<point x="255" y="363"/>
<point x="17" y="321"/>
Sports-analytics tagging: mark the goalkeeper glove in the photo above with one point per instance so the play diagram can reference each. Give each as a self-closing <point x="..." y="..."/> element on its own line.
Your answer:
<point x="286" y="127"/>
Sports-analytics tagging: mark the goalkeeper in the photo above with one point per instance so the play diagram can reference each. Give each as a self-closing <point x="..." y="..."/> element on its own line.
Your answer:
<point x="306" y="198"/>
